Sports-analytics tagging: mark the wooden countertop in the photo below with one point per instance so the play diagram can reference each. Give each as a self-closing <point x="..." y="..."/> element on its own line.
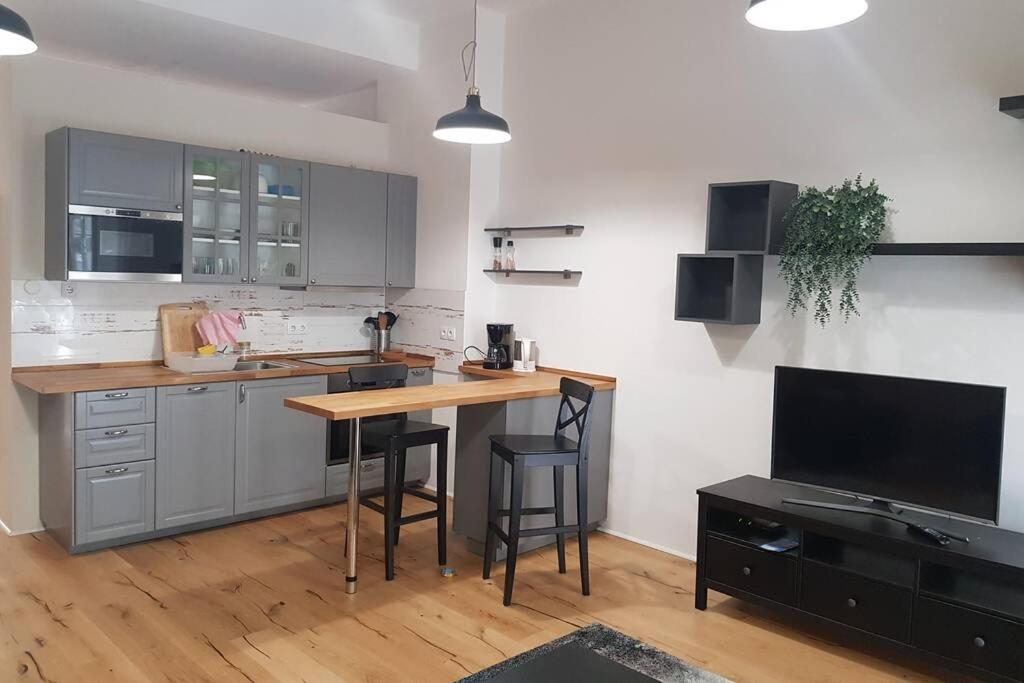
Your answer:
<point x="506" y="386"/>
<point x="66" y="379"/>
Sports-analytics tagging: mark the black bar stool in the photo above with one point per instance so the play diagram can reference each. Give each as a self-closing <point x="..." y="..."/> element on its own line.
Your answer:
<point x="394" y="437"/>
<point x="527" y="450"/>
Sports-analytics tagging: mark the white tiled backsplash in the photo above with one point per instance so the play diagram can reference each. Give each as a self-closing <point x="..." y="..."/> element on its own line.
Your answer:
<point x="119" y="322"/>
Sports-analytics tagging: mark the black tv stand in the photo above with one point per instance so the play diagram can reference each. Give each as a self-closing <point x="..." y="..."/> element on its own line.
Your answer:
<point x="880" y="509"/>
<point x="868" y="579"/>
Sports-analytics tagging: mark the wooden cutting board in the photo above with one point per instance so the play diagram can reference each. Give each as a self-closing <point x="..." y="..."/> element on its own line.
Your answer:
<point x="178" y="326"/>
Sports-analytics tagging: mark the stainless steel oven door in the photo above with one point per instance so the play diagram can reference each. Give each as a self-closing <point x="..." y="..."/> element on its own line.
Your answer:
<point x="124" y="245"/>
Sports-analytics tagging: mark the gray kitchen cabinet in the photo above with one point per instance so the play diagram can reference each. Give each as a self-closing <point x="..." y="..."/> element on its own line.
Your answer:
<point x="218" y="199"/>
<point x="113" y="501"/>
<point x="280" y="453"/>
<point x="348" y="226"/>
<point x="195" y="453"/>
<point x="279" y="221"/>
<point x="125" y="172"/>
<point x="400" y="269"/>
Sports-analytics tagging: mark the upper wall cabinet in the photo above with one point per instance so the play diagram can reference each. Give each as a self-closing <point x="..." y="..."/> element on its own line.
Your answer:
<point x="348" y="226"/>
<point x="217" y="204"/>
<point x="124" y="172"/>
<point x="278" y="246"/>
<point x="401" y="256"/>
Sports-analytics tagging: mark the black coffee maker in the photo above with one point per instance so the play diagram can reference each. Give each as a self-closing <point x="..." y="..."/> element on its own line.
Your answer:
<point x="500" y="337"/>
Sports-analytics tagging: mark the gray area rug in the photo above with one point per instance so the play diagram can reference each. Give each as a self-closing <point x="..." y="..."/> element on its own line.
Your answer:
<point x="594" y="653"/>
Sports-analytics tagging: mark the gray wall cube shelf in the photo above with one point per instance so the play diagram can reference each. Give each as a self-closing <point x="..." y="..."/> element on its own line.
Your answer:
<point x="747" y="217"/>
<point x="719" y="288"/>
<point x="1013" y="106"/>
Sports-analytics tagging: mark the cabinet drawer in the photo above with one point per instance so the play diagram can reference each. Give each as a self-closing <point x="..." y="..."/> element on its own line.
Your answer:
<point x="768" y="575"/>
<point x="856" y="601"/>
<point x="109" y="445"/>
<point x="971" y="637"/>
<point x="114" y="408"/>
<point x="114" y="502"/>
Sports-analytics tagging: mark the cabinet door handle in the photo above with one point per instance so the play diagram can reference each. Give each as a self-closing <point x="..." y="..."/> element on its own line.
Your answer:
<point x="178" y="207"/>
<point x="312" y="282"/>
<point x="241" y="393"/>
<point x="252" y="279"/>
<point x="197" y="390"/>
<point x="979" y="642"/>
<point x="245" y="279"/>
<point x="851" y="602"/>
<point x="389" y="283"/>
<point x="117" y="470"/>
<point x="118" y="394"/>
<point x="116" y="432"/>
<point x="747" y="571"/>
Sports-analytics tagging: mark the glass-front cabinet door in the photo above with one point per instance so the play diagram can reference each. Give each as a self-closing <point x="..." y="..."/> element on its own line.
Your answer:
<point x="217" y="207"/>
<point x="279" y="244"/>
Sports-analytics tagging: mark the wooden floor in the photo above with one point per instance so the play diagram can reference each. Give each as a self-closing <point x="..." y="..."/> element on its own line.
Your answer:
<point x="264" y="601"/>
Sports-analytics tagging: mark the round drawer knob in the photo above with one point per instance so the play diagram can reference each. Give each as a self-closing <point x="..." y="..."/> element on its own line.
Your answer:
<point x="851" y="602"/>
<point x="747" y="571"/>
<point x="979" y="642"/>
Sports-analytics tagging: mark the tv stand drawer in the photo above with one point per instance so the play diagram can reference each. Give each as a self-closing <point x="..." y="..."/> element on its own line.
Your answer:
<point x="856" y="601"/>
<point x="986" y="642"/>
<point x="768" y="575"/>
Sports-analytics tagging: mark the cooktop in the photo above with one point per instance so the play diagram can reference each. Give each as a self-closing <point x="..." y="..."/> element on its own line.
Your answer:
<point x="341" y="360"/>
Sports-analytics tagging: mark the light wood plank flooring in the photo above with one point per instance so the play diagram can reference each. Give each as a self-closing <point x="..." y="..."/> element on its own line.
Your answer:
<point x="264" y="601"/>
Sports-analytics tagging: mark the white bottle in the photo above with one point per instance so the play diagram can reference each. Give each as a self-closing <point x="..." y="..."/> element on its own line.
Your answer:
<point x="510" y="256"/>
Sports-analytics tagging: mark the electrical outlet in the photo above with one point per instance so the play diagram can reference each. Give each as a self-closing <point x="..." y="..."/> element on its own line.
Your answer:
<point x="444" y="333"/>
<point x="297" y="328"/>
<point x="68" y="289"/>
<point x="449" y="333"/>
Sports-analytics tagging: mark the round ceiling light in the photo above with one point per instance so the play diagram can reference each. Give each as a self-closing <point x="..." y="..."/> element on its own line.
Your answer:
<point x="803" y="15"/>
<point x="15" y="35"/>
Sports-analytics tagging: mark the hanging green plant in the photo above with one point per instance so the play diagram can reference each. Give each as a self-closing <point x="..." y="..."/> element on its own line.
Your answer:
<point x="829" y="235"/>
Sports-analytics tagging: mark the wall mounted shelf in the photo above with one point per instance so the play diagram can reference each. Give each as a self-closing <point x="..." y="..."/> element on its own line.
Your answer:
<point x="1013" y="106"/>
<point x="746" y="218"/>
<point x="567" y="229"/>
<point x="565" y="274"/>
<point x="719" y="288"/>
<point x="950" y="249"/>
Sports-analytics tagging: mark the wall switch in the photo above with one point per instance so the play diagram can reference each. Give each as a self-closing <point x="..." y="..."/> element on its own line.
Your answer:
<point x="68" y="289"/>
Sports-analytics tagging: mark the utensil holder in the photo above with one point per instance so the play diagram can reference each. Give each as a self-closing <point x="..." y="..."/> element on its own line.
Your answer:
<point x="381" y="342"/>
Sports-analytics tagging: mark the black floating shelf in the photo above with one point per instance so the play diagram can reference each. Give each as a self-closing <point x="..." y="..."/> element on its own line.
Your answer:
<point x="1013" y="106"/>
<point x="567" y="229"/>
<point x="565" y="274"/>
<point x="950" y="249"/>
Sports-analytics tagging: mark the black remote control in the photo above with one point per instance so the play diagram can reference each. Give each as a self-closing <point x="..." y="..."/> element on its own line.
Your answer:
<point x="937" y="536"/>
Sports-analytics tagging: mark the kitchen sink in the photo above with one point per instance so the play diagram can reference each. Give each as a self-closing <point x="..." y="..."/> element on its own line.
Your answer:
<point x="249" y="365"/>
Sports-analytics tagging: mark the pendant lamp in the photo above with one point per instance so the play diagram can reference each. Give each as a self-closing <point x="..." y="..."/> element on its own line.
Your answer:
<point x="472" y="125"/>
<point x="15" y="35"/>
<point x="804" y="15"/>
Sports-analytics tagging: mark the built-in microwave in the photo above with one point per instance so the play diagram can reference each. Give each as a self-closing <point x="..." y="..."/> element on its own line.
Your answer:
<point x="124" y="245"/>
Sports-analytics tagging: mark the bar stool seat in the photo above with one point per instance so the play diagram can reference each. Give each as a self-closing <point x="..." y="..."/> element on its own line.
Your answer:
<point x="394" y="437"/>
<point x="524" y="451"/>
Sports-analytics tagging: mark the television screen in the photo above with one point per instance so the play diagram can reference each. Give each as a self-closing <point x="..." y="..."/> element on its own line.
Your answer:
<point x="929" y="444"/>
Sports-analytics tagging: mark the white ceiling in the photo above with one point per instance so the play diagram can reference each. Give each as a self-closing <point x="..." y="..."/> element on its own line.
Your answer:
<point x="306" y="51"/>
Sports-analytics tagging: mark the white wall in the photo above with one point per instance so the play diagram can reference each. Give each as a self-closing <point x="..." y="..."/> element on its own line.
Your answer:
<point x="47" y="93"/>
<point x="622" y="113"/>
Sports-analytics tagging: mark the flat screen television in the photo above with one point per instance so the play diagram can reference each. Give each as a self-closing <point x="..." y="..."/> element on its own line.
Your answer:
<point x="922" y="443"/>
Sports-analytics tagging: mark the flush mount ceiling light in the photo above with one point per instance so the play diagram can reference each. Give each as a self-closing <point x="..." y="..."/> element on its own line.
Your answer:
<point x="15" y="35"/>
<point x="472" y="125"/>
<point x="803" y="15"/>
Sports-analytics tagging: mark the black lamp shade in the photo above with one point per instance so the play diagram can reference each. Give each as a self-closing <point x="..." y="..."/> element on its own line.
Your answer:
<point x="15" y="35"/>
<point x="472" y="125"/>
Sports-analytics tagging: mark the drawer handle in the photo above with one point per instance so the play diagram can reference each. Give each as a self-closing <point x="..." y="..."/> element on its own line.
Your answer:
<point x="118" y="394"/>
<point x="747" y="571"/>
<point x="196" y="390"/>
<point x="851" y="603"/>
<point x="979" y="642"/>
<point x="117" y="470"/>
<point x="116" y="432"/>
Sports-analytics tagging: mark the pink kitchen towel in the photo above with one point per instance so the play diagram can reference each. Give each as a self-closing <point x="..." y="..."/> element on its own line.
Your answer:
<point x="219" y="327"/>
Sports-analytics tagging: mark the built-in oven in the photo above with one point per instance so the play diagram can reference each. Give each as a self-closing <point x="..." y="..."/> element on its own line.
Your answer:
<point x="338" y="430"/>
<point x="124" y="244"/>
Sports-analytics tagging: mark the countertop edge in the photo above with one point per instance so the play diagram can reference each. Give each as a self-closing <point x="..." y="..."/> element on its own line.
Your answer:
<point x="67" y="379"/>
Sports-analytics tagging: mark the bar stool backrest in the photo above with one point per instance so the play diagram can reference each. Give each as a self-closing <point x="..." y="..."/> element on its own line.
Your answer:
<point x="370" y="377"/>
<point x="574" y="410"/>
